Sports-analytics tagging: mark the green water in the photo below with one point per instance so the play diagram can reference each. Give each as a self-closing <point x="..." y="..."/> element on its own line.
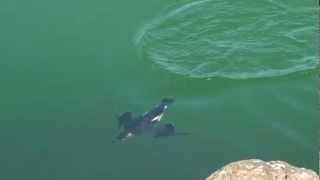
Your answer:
<point x="69" y="68"/>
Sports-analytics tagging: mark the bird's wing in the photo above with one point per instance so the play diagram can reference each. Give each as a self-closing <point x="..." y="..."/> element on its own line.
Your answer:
<point x="124" y="119"/>
<point x="167" y="129"/>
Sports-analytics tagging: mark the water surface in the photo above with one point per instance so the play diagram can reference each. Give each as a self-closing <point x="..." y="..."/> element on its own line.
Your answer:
<point x="69" y="68"/>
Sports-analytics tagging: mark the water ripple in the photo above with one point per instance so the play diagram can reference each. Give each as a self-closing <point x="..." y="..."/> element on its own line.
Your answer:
<point x="232" y="39"/>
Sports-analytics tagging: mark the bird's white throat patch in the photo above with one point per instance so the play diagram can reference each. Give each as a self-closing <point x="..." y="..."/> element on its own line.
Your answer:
<point x="157" y="118"/>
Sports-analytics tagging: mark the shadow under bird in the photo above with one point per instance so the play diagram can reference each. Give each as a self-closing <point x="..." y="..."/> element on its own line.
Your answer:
<point x="147" y="123"/>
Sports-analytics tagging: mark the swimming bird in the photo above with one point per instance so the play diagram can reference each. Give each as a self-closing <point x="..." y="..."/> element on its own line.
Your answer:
<point x="130" y="127"/>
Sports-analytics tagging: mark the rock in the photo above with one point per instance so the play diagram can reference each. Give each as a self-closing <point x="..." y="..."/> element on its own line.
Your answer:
<point x="255" y="169"/>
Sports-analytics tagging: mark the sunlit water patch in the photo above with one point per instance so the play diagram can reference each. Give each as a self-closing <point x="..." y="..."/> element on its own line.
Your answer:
<point x="232" y="39"/>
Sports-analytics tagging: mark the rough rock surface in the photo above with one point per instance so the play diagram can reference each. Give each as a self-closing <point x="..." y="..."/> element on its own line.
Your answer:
<point x="255" y="169"/>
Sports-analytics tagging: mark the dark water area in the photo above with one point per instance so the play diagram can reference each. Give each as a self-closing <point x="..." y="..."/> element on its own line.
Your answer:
<point x="69" y="68"/>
